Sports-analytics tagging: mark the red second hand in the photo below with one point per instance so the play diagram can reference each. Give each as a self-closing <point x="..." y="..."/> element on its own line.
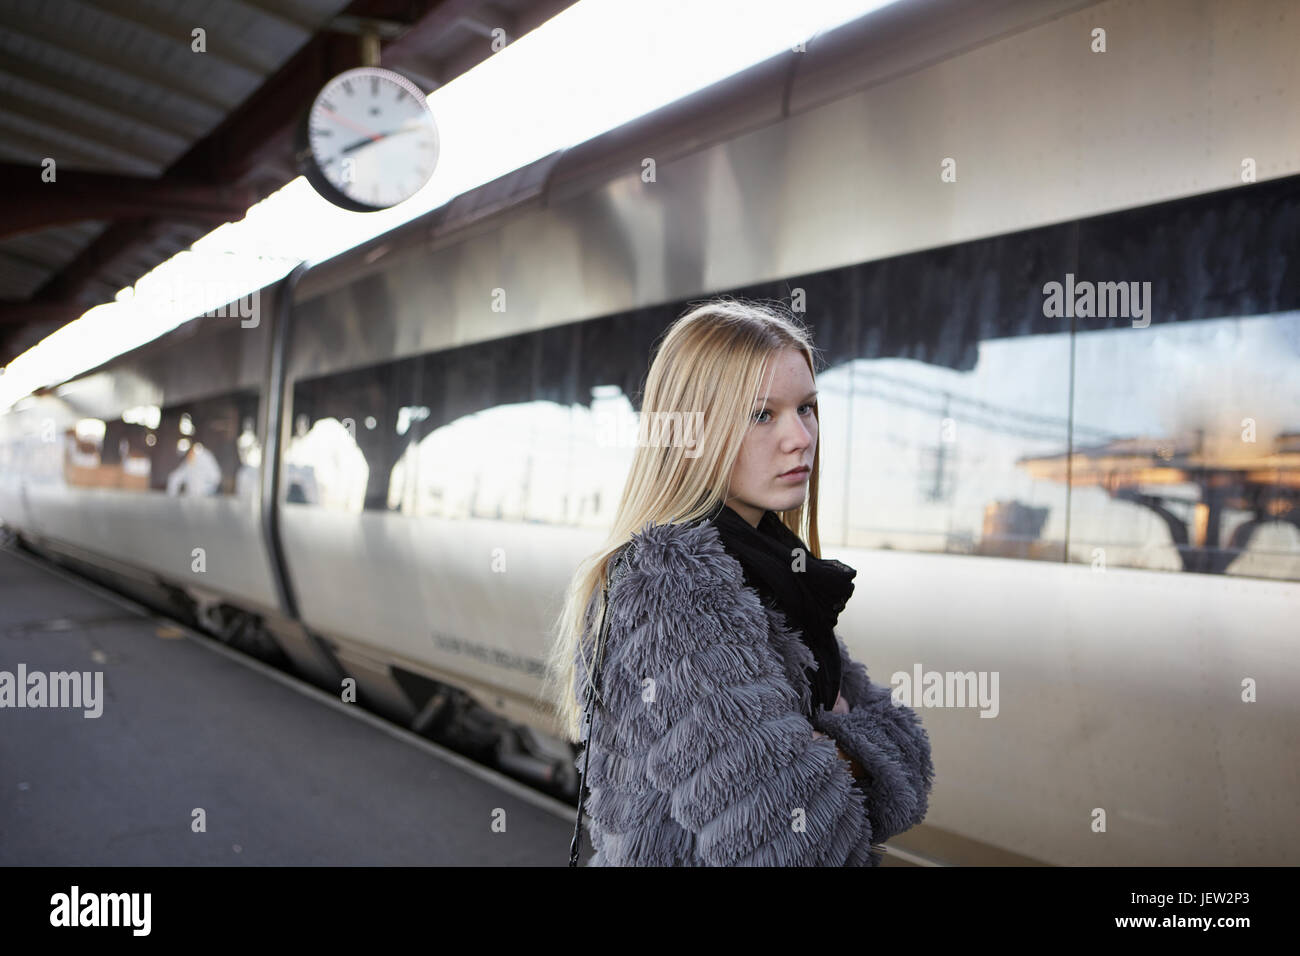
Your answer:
<point x="356" y="126"/>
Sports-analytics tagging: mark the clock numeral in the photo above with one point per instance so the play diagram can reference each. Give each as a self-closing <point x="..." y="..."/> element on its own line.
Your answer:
<point x="347" y="85"/>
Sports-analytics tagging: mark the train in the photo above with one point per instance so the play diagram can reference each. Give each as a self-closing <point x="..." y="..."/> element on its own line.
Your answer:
<point x="1048" y="253"/>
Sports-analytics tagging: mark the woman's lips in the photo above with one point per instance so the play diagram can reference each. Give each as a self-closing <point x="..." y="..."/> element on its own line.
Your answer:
<point x="797" y="475"/>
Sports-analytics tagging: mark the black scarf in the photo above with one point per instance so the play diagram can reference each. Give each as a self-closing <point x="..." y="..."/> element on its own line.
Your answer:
<point x="811" y="599"/>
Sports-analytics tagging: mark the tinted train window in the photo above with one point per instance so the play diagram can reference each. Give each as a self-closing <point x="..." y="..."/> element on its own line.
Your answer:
<point x="208" y="447"/>
<point x="923" y="458"/>
<point x="1185" y="390"/>
<point x="949" y="422"/>
<point x="1199" y="470"/>
<point x="200" y="448"/>
<point x="535" y="427"/>
<point x="484" y="445"/>
<point x="938" y="378"/>
<point x="351" y="436"/>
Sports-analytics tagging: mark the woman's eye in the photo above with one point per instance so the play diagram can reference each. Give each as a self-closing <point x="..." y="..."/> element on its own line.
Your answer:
<point x="766" y="412"/>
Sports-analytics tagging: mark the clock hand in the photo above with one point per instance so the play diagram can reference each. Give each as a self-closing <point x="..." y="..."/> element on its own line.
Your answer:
<point x="366" y="142"/>
<point x="352" y="123"/>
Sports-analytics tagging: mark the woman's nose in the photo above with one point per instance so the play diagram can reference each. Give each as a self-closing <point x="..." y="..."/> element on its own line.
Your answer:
<point x="799" y="434"/>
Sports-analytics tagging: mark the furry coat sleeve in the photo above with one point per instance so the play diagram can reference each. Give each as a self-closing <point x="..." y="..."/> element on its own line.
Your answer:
<point x="702" y="755"/>
<point x="889" y="743"/>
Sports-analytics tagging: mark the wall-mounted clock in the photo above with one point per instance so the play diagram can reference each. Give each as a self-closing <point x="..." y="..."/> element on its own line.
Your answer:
<point x="368" y="141"/>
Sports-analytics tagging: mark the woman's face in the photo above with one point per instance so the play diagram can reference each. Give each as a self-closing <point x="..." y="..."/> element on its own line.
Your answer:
<point x="782" y="435"/>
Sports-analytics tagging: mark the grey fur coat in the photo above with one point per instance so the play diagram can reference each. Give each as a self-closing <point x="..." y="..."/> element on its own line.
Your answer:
<point x="702" y="753"/>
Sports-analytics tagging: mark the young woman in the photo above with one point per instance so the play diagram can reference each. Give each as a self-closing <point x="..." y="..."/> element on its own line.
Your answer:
<point x="731" y="726"/>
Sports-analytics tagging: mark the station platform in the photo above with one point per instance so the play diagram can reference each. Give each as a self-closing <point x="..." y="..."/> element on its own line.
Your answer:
<point x="283" y="774"/>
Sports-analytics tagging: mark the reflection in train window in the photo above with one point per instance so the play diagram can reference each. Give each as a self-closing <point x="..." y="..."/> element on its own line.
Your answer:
<point x="531" y="461"/>
<point x="200" y="448"/>
<point x="1185" y="441"/>
<point x="350" y="432"/>
<point x="514" y="429"/>
<point x="920" y="457"/>
<point x="1199" y="469"/>
<point x="207" y="447"/>
<point x="127" y="443"/>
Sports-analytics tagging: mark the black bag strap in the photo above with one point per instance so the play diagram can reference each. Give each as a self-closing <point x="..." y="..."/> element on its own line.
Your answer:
<point x="592" y="692"/>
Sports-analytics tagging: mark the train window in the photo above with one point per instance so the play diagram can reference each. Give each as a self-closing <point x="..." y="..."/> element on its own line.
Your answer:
<point x="126" y="449"/>
<point x="534" y="427"/>
<point x="1186" y="452"/>
<point x="485" y="442"/>
<point x="599" y="367"/>
<point x="348" y="446"/>
<point x="201" y="448"/>
<point x="1188" y="447"/>
<point x="949" y="425"/>
<point x="920" y="457"/>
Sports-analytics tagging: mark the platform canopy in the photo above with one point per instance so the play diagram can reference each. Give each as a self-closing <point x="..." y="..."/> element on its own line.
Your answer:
<point x="165" y="121"/>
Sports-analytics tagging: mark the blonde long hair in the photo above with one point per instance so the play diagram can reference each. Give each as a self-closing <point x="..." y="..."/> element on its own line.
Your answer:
<point x="713" y="359"/>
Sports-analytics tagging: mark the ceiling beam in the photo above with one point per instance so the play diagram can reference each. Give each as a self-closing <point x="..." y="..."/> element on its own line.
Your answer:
<point x="31" y="203"/>
<point x="15" y="313"/>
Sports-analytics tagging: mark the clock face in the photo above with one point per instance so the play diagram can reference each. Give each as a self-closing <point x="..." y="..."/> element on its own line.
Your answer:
<point x="369" y="141"/>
